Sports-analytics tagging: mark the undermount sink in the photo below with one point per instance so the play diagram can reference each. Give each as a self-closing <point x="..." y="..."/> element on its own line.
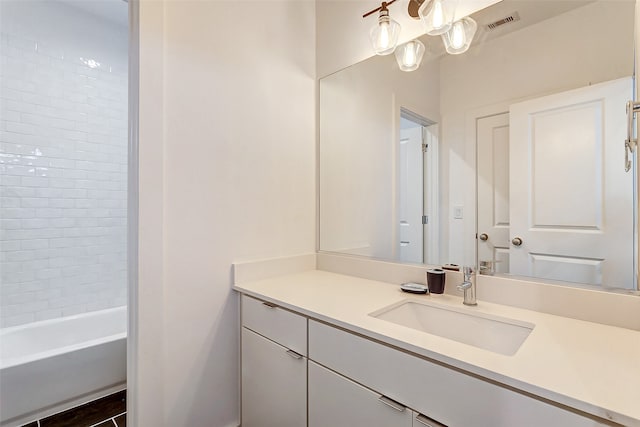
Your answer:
<point x="493" y="333"/>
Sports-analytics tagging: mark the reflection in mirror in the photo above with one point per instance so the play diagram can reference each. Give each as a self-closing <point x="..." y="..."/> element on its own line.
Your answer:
<point x="524" y="138"/>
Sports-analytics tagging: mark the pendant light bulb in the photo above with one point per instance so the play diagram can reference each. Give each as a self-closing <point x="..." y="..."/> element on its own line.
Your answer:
<point x="458" y="39"/>
<point x="384" y="35"/>
<point x="409" y="55"/>
<point x="437" y="15"/>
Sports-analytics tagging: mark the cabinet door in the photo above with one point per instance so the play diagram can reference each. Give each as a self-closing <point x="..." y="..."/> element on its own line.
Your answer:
<point x="339" y="402"/>
<point x="274" y="384"/>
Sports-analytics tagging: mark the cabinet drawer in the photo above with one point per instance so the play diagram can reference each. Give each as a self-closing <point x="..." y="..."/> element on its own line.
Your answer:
<point x="339" y="402"/>
<point x="274" y="384"/>
<point x="448" y="396"/>
<point x="282" y="326"/>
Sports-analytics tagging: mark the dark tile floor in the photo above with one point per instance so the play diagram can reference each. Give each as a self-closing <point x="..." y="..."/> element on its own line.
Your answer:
<point x="109" y="411"/>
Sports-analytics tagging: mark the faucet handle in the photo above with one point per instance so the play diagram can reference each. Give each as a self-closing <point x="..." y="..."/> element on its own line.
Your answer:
<point x="464" y="286"/>
<point x="467" y="271"/>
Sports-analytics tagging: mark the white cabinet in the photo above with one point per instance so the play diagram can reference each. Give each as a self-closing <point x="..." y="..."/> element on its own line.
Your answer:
<point x="279" y="325"/>
<point x="451" y="397"/>
<point x="274" y="376"/>
<point x="351" y="381"/>
<point x="339" y="402"/>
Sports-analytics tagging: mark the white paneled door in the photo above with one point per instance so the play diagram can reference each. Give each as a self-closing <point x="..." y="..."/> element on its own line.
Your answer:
<point x="570" y="200"/>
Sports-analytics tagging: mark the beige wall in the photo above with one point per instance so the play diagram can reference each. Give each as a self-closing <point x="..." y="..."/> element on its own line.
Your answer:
<point x="227" y="171"/>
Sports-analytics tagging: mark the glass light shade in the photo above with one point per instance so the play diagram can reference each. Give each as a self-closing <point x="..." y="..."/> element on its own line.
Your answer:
<point x="384" y="35"/>
<point x="458" y="39"/>
<point x="409" y="55"/>
<point x="437" y="15"/>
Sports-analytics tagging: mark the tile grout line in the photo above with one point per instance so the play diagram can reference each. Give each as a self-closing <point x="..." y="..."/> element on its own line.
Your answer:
<point x="112" y="419"/>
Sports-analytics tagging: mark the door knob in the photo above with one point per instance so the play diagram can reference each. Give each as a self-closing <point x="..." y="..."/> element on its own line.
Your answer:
<point x="516" y="241"/>
<point x="484" y="237"/>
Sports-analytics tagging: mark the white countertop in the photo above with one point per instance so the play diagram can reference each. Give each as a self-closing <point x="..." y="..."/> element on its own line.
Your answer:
<point x="587" y="366"/>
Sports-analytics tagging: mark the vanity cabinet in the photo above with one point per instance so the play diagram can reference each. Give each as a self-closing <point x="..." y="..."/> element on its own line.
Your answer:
<point x="451" y="397"/>
<point x="274" y="366"/>
<point x="289" y="362"/>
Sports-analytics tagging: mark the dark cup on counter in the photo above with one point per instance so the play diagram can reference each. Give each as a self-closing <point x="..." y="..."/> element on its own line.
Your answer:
<point x="436" y="280"/>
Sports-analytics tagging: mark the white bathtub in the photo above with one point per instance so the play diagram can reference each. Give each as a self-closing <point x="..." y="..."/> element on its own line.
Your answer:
<point x="49" y="366"/>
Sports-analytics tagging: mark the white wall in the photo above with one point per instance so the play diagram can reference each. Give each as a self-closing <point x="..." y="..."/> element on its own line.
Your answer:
<point x="360" y="131"/>
<point x="63" y="136"/>
<point x="234" y="95"/>
<point x="555" y="55"/>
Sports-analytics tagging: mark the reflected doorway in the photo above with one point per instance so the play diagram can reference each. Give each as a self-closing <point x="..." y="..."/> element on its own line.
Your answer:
<point x="417" y="189"/>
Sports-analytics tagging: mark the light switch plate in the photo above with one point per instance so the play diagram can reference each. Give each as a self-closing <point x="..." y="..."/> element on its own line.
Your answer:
<point x="458" y="212"/>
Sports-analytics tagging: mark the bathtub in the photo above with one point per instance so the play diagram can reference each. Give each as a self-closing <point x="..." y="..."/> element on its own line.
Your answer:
<point x="49" y="366"/>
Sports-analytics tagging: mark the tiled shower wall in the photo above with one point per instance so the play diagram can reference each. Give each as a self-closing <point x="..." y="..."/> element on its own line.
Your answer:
<point x="63" y="182"/>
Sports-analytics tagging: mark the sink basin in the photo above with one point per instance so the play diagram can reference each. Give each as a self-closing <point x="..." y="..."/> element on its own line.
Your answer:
<point x="493" y="333"/>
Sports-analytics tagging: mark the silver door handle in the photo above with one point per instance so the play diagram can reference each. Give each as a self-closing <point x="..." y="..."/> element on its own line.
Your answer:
<point x="392" y="403"/>
<point x="294" y="354"/>
<point x="428" y="421"/>
<point x="516" y="241"/>
<point x="484" y="237"/>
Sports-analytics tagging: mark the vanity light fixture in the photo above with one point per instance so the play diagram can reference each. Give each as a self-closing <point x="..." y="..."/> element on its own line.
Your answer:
<point x="458" y="39"/>
<point x="384" y="35"/>
<point x="409" y="55"/>
<point x="437" y="15"/>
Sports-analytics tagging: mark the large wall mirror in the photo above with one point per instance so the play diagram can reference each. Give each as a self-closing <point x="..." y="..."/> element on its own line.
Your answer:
<point x="509" y="156"/>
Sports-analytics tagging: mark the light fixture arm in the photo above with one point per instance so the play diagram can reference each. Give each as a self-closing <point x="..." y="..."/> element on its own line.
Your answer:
<point x="414" y="6"/>
<point x="382" y="8"/>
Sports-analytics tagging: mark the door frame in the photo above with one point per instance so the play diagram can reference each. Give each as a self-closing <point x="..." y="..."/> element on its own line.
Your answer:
<point x="430" y="184"/>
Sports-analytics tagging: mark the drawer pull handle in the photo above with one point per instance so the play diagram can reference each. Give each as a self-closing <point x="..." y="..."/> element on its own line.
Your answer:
<point x="392" y="403"/>
<point x="294" y="354"/>
<point x="269" y="304"/>
<point x="428" y="421"/>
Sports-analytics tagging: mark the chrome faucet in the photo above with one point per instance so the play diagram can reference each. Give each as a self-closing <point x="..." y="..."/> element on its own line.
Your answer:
<point x="468" y="286"/>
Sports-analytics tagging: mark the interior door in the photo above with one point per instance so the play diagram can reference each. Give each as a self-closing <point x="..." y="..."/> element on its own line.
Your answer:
<point x="493" y="190"/>
<point x="411" y="195"/>
<point x="575" y="223"/>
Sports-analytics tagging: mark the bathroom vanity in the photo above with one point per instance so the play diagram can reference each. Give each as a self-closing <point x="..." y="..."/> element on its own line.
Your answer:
<point x="337" y="350"/>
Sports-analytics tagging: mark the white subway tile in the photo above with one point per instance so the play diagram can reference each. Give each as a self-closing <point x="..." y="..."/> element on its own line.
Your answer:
<point x="20" y="256"/>
<point x="10" y="202"/>
<point x="10" y="245"/>
<point x="49" y="213"/>
<point x="17" y="213"/>
<point x="36" y="202"/>
<point x="31" y="181"/>
<point x="34" y="223"/>
<point x="15" y="277"/>
<point x="35" y="244"/>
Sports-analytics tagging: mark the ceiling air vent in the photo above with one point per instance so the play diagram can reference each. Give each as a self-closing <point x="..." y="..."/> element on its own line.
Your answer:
<point x="511" y="18"/>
